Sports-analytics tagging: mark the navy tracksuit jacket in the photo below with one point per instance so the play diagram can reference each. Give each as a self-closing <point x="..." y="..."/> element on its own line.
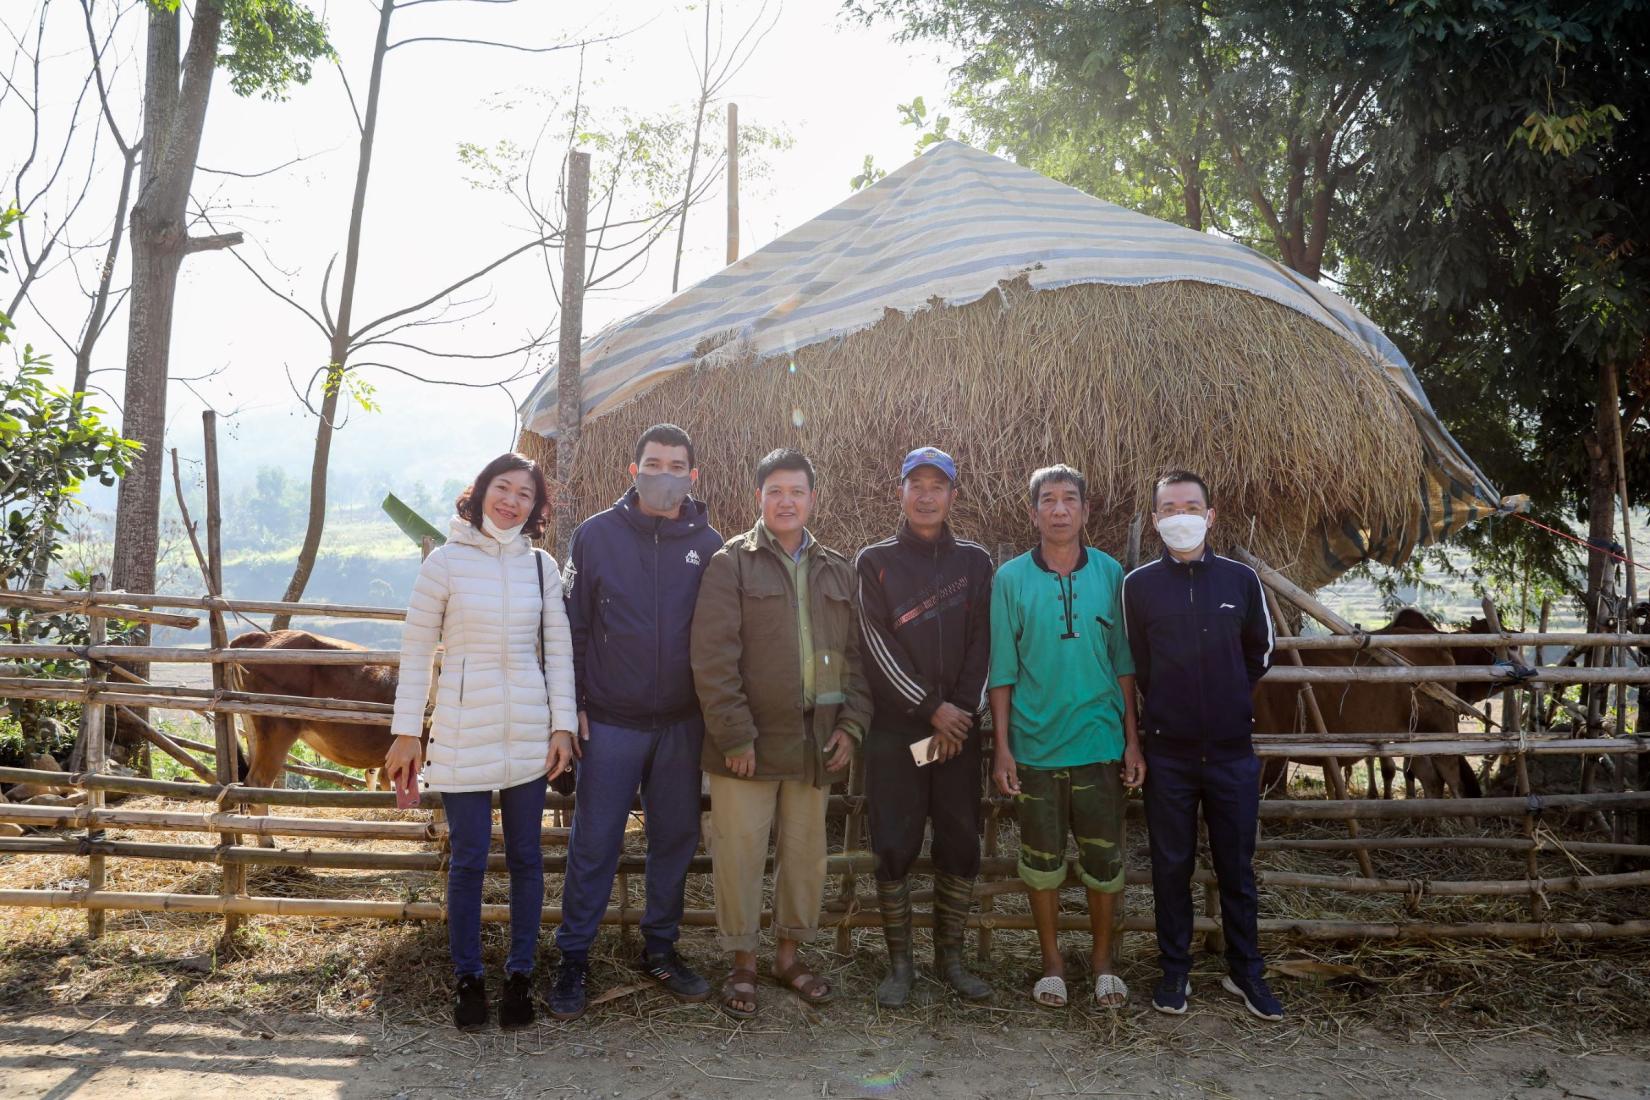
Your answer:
<point x="630" y="583"/>
<point x="1202" y="638"/>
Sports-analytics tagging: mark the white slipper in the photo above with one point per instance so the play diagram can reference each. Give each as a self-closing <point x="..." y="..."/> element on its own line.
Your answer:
<point x="1107" y="984"/>
<point x="1050" y="992"/>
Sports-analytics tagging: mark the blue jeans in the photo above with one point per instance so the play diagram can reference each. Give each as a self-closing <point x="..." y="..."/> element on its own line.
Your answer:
<point x="470" y="826"/>
<point x="1229" y="792"/>
<point x="664" y="765"/>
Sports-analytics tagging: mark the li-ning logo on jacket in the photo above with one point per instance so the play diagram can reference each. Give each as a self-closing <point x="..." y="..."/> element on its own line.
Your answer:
<point x="693" y="557"/>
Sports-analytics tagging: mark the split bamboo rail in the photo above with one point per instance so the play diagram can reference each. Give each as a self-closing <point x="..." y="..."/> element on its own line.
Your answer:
<point x="225" y="822"/>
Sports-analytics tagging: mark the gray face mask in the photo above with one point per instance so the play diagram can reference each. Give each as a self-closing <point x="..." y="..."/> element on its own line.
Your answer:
<point x="663" y="492"/>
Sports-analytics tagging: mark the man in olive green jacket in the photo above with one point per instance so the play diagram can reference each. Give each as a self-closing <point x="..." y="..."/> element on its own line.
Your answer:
<point x="776" y="665"/>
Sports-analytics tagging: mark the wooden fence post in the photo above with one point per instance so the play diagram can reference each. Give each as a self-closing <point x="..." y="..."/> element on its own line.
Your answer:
<point x="233" y="879"/>
<point x="569" y="386"/>
<point x="96" y="753"/>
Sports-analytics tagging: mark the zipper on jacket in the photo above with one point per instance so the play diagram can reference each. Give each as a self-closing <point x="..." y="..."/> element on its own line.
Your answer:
<point x="658" y="629"/>
<point x="504" y="655"/>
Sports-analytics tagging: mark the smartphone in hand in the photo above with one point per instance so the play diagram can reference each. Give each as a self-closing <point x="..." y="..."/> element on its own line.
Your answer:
<point x="922" y="752"/>
<point x="406" y="789"/>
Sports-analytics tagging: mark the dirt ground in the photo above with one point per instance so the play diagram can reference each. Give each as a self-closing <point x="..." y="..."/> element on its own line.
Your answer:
<point x="157" y="1007"/>
<point x="140" y="1052"/>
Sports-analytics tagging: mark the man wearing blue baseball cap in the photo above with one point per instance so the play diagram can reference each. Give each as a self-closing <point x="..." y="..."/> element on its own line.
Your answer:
<point x="925" y="604"/>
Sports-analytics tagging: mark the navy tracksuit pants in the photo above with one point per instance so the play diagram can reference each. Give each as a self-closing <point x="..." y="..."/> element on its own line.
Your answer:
<point x="664" y="765"/>
<point x="1229" y="793"/>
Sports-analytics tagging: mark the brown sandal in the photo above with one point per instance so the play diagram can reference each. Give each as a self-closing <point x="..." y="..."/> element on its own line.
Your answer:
<point x="739" y="985"/>
<point x="800" y="979"/>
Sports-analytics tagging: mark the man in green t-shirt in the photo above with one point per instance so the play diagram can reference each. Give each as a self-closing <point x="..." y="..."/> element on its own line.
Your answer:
<point x="1062" y="702"/>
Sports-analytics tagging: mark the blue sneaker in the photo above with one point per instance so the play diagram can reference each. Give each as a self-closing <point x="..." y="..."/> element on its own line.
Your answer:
<point x="1171" y="993"/>
<point x="1257" y="997"/>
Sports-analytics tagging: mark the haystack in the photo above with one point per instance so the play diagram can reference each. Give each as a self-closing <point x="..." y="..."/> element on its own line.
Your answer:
<point x="977" y="306"/>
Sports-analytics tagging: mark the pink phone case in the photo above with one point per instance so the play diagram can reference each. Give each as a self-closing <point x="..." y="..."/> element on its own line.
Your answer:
<point x="406" y="791"/>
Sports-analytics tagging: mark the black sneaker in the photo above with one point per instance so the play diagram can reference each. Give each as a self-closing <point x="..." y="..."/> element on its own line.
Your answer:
<point x="1171" y="994"/>
<point x="567" y="995"/>
<point x="470" y="1003"/>
<point x="671" y="971"/>
<point x="515" y="1003"/>
<point x="1257" y="996"/>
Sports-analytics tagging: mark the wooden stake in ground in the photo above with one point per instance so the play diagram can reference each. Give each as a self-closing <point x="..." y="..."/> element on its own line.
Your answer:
<point x="223" y="723"/>
<point x="91" y="735"/>
<point x="733" y="182"/>
<point x="1332" y="774"/>
<point x="569" y="386"/>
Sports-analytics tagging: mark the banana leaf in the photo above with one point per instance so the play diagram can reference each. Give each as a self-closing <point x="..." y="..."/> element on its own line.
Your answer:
<point x="413" y="525"/>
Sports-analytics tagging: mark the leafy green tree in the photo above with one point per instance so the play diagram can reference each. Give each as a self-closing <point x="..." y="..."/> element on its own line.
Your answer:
<point x="50" y="442"/>
<point x="1501" y="239"/>
<point x="1250" y="117"/>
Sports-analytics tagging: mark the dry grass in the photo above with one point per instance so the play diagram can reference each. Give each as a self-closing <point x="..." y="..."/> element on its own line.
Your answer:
<point x="398" y="972"/>
<point x="1290" y="424"/>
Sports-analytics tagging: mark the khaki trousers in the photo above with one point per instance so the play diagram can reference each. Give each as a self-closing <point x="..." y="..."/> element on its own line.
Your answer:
<point x="742" y="813"/>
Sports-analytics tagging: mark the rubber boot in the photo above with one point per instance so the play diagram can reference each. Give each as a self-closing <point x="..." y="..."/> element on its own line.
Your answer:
<point x="953" y="897"/>
<point x="895" y="901"/>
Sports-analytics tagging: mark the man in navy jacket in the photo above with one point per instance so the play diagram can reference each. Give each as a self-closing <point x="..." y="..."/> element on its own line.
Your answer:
<point x="1201" y="636"/>
<point x="631" y="582"/>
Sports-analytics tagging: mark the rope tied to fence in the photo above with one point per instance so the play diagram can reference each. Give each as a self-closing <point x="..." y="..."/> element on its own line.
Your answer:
<point x="1417" y="891"/>
<point x="228" y="796"/>
<point x="1361" y="636"/>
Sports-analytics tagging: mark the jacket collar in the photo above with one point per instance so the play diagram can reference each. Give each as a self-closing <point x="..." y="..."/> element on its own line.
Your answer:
<point x="1082" y="558"/>
<point x="463" y="532"/>
<point x="693" y="517"/>
<point x="1205" y="558"/>
<point x="912" y="541"/>
<point x="759" y="537"/>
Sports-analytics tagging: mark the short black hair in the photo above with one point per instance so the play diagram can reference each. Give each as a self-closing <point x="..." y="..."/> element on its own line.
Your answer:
<point x="1057" y="472"/>
<point x="783" y="458"/>
<point x="669" y="435"/>
<point x="1182" y="477"/>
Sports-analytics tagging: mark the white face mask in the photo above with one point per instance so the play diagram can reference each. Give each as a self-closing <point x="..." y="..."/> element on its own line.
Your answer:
<point x="1183" y="533"/>
<point x="504" y="535"/>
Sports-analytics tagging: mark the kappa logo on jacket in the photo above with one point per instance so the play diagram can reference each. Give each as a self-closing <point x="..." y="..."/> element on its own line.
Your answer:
<point x="692" y="557"/>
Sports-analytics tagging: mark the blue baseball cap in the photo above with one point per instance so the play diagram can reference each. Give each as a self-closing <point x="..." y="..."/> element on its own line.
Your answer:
<point x="928" y="456"/>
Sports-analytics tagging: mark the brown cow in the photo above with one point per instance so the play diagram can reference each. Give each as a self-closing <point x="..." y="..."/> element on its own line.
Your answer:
<point x="351" y="744"/>
<point x="1381" y="708"/>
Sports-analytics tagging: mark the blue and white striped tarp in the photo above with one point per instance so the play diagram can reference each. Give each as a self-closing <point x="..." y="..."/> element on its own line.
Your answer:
<point x="952" y="225"/>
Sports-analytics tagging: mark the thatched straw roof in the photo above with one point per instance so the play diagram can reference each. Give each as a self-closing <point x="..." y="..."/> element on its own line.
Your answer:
<point x="975" y="305"/>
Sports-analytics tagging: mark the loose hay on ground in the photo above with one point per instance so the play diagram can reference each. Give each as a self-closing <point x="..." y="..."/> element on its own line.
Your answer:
<point x="367" y="969"/>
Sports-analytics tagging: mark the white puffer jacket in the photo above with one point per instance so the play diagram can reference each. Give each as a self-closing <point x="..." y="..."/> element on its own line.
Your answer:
<point x="493" y="710"/>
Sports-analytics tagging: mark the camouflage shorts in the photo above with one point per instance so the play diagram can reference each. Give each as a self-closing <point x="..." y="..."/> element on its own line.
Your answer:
<point x="1087" y="801"/>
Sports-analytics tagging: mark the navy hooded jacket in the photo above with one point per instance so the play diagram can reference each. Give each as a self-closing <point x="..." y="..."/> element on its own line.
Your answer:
<point x="630" y="582"/>
<point x="1202" y="638"/>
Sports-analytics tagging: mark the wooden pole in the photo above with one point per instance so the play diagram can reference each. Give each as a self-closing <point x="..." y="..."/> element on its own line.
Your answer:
<point x="569" y="386"/>
<point x="733" y="182"/>
<point x="1332" y="774"/>
<point x="1304" y="600"/>
<point x="223" y="723"/>
<point x="91" y="733"/>
<point x="852" y="830"/>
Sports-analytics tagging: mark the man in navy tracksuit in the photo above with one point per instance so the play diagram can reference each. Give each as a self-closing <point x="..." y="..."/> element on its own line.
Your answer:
<point x="631" y="581"/>
<point x="1201" y="636"/>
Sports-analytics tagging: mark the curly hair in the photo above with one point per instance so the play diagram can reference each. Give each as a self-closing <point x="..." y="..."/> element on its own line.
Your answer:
<point x="471" y="499"/>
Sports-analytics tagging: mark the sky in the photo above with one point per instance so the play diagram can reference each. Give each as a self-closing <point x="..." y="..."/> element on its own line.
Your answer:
<point x="831" y="83"/>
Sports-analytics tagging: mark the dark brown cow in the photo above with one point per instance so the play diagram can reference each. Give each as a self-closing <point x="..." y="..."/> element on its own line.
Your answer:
<point x="1381" y="708"/>
<point x="351" y="744"/>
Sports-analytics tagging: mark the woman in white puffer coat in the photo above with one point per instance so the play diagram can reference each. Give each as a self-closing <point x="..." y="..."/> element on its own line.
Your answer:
<point x="504" y="712"/>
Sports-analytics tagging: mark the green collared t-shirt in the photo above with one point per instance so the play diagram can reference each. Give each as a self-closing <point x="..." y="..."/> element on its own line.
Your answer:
<point x="1059" y="643"/>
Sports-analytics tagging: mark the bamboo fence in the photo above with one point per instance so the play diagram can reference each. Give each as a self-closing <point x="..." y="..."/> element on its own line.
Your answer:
<point x="1520" y="733"/>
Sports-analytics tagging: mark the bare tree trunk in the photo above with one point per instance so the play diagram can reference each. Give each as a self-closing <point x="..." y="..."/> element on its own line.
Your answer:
<point x="41" y="564"/>
<point x="174" y="119"/>
<point x="338" y="362"/>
